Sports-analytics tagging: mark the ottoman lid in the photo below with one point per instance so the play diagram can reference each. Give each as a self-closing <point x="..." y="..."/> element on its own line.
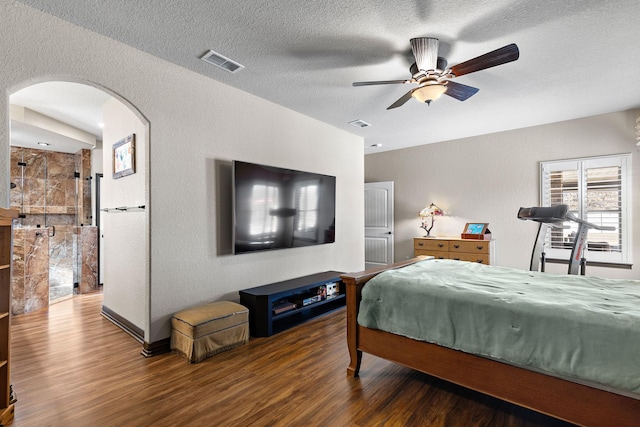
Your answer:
<point x="208" y="312"/>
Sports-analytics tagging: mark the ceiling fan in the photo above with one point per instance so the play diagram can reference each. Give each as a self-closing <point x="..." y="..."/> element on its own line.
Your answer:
<point x="432" y="76"/>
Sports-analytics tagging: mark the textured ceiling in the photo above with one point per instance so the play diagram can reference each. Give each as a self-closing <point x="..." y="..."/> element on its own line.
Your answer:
<point x="577" y="57"/>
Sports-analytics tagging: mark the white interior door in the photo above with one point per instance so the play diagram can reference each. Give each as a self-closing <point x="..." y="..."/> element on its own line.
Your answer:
<point x="378" y="223"/>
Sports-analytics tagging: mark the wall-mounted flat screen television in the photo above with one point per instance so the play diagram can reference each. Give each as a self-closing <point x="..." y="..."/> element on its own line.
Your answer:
<point x="276" y="208"/>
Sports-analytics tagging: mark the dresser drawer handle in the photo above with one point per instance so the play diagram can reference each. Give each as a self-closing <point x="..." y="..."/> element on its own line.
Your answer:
<point x="479" y="247"/>
<point x="456" y="259"/>
<point x="479" y="261"/>
<point x="456" y="246"/>
<point x="420" y="244"/>
<point x="440" y="245"/>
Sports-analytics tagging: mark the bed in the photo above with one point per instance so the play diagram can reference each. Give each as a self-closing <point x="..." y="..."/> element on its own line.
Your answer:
<point x="584" y="402"/>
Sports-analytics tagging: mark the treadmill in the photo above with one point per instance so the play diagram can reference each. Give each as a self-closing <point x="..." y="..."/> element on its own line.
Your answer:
<point x="555" y="216"/>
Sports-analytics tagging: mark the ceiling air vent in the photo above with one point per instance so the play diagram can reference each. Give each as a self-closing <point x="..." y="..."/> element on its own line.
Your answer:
<point x="221" y="61"/>
<point x="359" y="123"/>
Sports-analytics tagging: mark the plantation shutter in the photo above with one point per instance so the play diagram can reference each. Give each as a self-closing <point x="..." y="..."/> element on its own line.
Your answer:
<point x="596" y="190"/>
<point x="560" y="186"/>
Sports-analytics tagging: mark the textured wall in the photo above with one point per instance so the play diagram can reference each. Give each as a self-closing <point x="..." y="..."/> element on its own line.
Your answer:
<point x="124" y="234"/>
<point x="487" y="178"/>
<point x="196" y="127"/>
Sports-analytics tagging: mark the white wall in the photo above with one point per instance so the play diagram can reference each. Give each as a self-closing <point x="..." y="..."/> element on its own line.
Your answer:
<point x="125" y="241"/>
<point x="487" y="178"/>
<point x="196" y="126"/>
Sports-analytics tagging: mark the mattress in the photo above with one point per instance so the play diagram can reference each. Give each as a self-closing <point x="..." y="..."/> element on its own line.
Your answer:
<point x="581" y="328"/>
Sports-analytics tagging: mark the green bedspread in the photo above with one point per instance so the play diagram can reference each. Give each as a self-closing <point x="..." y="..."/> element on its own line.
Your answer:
<point x="577" y="327"/>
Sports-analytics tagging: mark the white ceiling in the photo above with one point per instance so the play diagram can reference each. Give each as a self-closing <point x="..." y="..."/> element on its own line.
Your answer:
<point x="75" y="104"/>
<point x="577" y="57"/>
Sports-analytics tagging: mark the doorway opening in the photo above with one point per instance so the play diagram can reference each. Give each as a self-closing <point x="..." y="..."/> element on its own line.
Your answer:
<point x="55" y="148"/>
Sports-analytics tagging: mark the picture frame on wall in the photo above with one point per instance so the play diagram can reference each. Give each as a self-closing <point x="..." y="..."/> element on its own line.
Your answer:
<point x="124" y="157"/>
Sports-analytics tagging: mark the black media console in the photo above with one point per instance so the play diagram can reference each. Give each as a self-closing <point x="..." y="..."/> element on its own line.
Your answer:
<point x="278" y="306"/>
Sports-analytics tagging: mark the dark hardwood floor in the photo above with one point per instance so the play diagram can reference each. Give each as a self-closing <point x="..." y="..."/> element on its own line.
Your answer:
<point x="72" y="367"/>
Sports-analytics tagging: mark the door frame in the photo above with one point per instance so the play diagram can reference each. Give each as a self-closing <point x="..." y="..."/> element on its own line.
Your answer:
<point x="99" y="232"/>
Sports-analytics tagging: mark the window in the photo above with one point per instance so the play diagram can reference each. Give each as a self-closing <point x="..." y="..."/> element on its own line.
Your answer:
<point x="307" y="205"/>
<point x="306" y="196"/>
<point x="265" y="198"/>
<point x="596" y="190"/>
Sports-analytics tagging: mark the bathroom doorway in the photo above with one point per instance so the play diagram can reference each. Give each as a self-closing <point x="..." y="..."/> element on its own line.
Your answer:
<point x="49" y="191"/>
<point x="53" y="158"/>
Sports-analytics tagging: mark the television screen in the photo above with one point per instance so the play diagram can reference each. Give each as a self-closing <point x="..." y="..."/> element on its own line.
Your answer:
<point x="275" y="208"/>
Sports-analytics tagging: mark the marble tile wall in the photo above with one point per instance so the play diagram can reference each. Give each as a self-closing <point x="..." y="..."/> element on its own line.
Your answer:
<point x="48" y="192"/>
<point x="30" y="274"/>
<point x="46" y="183"/>
<point x="87" y="276"/>
<point x="83" y="160"/>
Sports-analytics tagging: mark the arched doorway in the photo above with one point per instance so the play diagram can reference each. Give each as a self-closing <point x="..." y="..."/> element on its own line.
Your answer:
<point x="56" y="153"/>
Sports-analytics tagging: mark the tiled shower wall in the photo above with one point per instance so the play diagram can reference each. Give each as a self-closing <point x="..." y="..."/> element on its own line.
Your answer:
<point x="87" y="272"/>
<point x="48" y="184"/>
<point x="30" y="270"/>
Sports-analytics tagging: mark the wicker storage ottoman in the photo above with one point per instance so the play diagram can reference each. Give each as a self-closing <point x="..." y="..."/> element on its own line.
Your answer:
<point x="203" y="331"/>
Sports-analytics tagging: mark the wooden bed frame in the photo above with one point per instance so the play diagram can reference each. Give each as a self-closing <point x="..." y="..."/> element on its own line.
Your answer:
<point x="550" y="395"/>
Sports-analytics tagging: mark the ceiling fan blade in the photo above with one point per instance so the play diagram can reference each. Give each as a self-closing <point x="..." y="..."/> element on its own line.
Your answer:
<point x="380" y="82"/>
<point x="497" y="57"/>
<point x="459" y="91"/>
<point x="400" y="102"/>
<point x="425" y="50"/>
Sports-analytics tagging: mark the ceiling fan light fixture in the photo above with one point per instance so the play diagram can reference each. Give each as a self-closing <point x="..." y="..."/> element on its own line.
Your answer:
<point x="429" y="92"/>
<point x="430" y="72"/>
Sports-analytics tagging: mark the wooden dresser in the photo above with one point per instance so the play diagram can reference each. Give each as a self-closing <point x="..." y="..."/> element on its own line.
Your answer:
<point x="482" y="251"/>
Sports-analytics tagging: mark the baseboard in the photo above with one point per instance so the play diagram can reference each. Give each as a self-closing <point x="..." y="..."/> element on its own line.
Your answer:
<point x="124" y="324"/>
<point x="157" y="347"/>
<point x="148" y="349"/>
